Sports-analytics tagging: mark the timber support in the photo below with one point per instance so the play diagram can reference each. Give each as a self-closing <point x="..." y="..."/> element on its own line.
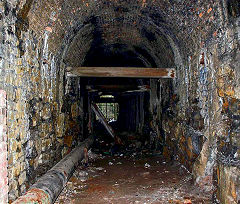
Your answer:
<point x="130" y="72"/>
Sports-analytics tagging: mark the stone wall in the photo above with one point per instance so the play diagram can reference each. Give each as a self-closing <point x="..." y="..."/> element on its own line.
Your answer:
<point x="74" y="115"/>
<point x="201" y="119"/>
<point x="228" y="184"/>
<point x="3" y="149"/>
<point x="34" y="81"/>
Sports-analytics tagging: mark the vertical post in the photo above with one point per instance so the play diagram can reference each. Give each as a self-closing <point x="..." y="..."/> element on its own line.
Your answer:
<point x="141" y="111"/>
<point x="89" y="115"/>
<point x="114" y="109"/>
<point x="3" y="149"/>
<point x="106" y="111"/>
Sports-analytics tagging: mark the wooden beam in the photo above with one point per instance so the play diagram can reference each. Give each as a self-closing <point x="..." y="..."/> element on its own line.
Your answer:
<point x="116" y="88"/>
<point x="103" y="120"/>
<point x="121" y="72"/>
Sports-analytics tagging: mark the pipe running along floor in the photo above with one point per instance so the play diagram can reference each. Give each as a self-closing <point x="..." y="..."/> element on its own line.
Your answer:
<point x="136" y="177"/>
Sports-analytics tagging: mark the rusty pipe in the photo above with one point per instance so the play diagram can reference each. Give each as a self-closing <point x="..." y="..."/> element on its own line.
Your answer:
<point x="49" y="186"/>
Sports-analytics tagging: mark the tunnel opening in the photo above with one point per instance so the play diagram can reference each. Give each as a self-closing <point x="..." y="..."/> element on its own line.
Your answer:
<point x="129" y="115"/>
<point x="132" y="94"/>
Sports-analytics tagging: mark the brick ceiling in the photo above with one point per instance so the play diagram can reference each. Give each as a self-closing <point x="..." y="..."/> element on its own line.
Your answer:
<point x="83" y="28"/>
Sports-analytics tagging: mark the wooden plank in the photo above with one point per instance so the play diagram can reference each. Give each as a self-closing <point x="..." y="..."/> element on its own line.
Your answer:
<point x="103" y="120"/>
<point x="116" y="88"/>
<point x="121" y="72"/>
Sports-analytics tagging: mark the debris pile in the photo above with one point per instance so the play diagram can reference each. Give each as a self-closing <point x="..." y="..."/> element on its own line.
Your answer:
<point x="138" y="180"/>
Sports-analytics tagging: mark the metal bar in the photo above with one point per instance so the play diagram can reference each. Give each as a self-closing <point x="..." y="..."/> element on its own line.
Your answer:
<point x="103" y="120"/>
<point x="50" y="185"/>
<point x="122" y="72"/>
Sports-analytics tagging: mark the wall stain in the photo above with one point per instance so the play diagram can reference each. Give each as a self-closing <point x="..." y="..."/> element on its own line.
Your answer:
<point x="22" y="23"/>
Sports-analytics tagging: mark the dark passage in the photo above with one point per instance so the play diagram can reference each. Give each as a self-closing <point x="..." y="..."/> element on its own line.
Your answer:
<point x="129" y="166"/>
<point x="149" y="87"/>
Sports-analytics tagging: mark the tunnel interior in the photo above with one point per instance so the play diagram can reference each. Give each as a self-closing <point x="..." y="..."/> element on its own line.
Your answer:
<point x="108" y="50"/>
<point x="134" y="114"/>
<point x="188" y="114"/>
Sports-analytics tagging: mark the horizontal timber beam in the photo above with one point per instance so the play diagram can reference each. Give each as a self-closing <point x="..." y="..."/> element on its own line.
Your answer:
<point x="116" y="88"/>
<point x="130" y="72"/>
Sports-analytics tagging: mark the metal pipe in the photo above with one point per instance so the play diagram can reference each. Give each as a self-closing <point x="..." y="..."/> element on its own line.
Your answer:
<point x="50" y="185"/>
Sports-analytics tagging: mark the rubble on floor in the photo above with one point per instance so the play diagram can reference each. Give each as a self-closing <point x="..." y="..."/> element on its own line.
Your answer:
<point x="134" y="177"/>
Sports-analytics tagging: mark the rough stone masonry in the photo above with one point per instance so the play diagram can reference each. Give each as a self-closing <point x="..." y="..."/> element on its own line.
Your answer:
<point x="3" y="149"/>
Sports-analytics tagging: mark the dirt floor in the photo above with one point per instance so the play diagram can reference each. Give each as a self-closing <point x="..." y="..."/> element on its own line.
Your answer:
<point x="131" y="179"/>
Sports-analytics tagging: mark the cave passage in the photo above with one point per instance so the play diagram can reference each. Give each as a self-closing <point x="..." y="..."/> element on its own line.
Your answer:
<point x="119" y="101"/>
<point x="125" y="163"/>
